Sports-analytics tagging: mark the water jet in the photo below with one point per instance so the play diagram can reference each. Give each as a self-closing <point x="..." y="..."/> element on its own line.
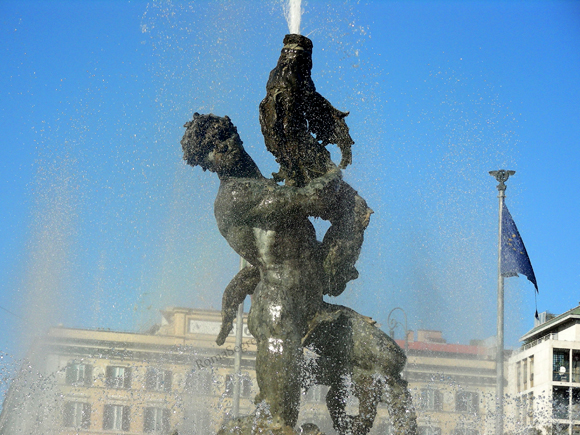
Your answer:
<point x="418" y="282"/>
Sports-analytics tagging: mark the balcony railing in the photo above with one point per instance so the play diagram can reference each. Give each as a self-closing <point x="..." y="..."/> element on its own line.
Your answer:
<point x="531" y="344"/>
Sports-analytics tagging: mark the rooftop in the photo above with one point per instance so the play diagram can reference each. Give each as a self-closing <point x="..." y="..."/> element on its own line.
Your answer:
<point x="552" y="325"/>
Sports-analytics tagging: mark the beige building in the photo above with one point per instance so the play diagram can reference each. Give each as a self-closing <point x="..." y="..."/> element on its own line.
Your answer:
<point x="103" y="382"/>
<point x="175" y="377"/>
<point x="545" y="392"/>
<point x="453" y="385"/>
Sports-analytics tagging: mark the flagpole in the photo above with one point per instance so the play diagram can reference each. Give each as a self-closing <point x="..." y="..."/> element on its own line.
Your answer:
<point x="501" y="176"/>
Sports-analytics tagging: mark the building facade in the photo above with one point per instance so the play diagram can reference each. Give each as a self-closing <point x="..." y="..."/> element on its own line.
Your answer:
<point x="174" y="377"/>
<point x="102" y="382"/>
<point x="453" y="385"/>
<point x="544" y="394"/>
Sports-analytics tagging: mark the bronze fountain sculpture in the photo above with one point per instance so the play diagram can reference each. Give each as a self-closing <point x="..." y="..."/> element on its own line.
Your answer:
<point x="290" y="270"/>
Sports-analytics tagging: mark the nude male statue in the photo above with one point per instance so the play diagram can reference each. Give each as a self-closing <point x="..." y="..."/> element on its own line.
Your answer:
<point x="268" y="225"/>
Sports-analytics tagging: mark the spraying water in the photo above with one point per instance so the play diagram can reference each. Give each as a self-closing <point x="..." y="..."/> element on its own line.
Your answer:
<point x="137" y="216"/>
<point x="293" y="13"/>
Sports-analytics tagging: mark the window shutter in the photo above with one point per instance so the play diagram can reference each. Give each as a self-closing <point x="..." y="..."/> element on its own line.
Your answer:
<point x="69" y="374"/>
<point x="88" y="380"/>
<point x="166" y="419"/>
<point x="126" y="418"/>
<point x="108" y="415"/>
<point x="68" y="414"/>
<point x="127" y="378"/>
<point x="247" y="388"/>
<point x="109" y="377"/>
<point x="167" y="380"/>
<point x="150" y="379"/>
<point x="229" y="385"/>
<point x="475" y="401"/>
<point x="148" y="424"/>
<point x="438" y="400"/>
<point x="86" y="423"/>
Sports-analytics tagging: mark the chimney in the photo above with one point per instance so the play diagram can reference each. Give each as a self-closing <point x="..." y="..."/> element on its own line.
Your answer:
<point x="427" y="336"/>
<point x="543" y="318"/>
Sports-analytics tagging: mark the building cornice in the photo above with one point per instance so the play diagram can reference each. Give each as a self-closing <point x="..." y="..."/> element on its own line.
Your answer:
<point x="552" y="325"/>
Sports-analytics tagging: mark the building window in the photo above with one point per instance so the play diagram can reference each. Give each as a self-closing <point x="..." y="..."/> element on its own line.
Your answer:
<point x="156" y="420"/>
<point x="198" y="421"/>
<point x="532" y="372"/>
<point x="116" y="417"/>
<point x="560" y="429"/>
<point x="518" y="376"/>
<point x="79" y="374"/>
<point x="429" y="430"/>
<point x="158" y="380"/>
<point x="576" y="366"/>
<point x="530" y="410"/>
<point x="384" y="427"/>
<point x="430" y="400"/>
<point x="525" y="374"/>
<point x="465" y="431"/>
<point x="560" y="402"/>
<point x="575" y="404"/>
<point x="467" y="401"/>
<point x="118" y="377"/>
<point x="245" y="387"/>
<point x="199" y="382"/>
<point x="77" y="415"/>
<point x="561" y="365"/>
<point x="316" y="393"/>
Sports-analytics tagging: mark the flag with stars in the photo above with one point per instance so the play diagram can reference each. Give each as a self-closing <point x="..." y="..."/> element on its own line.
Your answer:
<point x="514" y="257"/>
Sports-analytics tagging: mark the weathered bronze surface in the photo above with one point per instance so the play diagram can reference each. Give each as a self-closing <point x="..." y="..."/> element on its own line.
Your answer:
<point x="290" y="270"/>
<point x="297" y="122"/>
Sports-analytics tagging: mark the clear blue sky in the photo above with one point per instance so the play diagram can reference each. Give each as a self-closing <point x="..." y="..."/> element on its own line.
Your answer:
<point x="102" y="225"/>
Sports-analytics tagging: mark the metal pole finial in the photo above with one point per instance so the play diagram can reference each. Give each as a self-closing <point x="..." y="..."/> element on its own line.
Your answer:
<point x="501" y="175"/>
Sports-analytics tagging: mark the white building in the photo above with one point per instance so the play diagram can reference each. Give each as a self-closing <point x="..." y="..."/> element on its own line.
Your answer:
<point x="544" y="374"/>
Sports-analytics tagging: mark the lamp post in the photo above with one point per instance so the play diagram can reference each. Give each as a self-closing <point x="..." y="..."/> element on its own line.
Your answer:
<point x="393" y="324"/>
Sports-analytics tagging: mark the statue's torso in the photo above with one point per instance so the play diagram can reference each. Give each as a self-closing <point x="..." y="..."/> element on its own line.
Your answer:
<point x="284" y="248"/>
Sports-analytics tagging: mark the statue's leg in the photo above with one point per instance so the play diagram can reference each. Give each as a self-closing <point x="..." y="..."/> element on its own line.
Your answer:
<point x="273" y="322"/>
<point x="330" y="338"/>
<point x="400" y="404"/>
<point x="336" y="404"/>
<point x="343" y="241"/>
<point x="369" y="391"/>
<point x="378" y="360"/>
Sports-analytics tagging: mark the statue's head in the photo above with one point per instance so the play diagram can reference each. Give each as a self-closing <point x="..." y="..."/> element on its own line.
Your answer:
<point x="206" y="135"/>
<point x="212" y="142"/>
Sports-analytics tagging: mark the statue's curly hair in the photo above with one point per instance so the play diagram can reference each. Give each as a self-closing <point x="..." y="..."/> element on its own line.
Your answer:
<point x="203" y="134"/>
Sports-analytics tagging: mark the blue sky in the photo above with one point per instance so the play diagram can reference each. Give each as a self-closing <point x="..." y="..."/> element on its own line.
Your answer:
<point x="102" y="225"/>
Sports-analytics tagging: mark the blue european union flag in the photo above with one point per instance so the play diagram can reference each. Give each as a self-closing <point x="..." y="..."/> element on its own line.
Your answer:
<point x="514" y="257"/>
